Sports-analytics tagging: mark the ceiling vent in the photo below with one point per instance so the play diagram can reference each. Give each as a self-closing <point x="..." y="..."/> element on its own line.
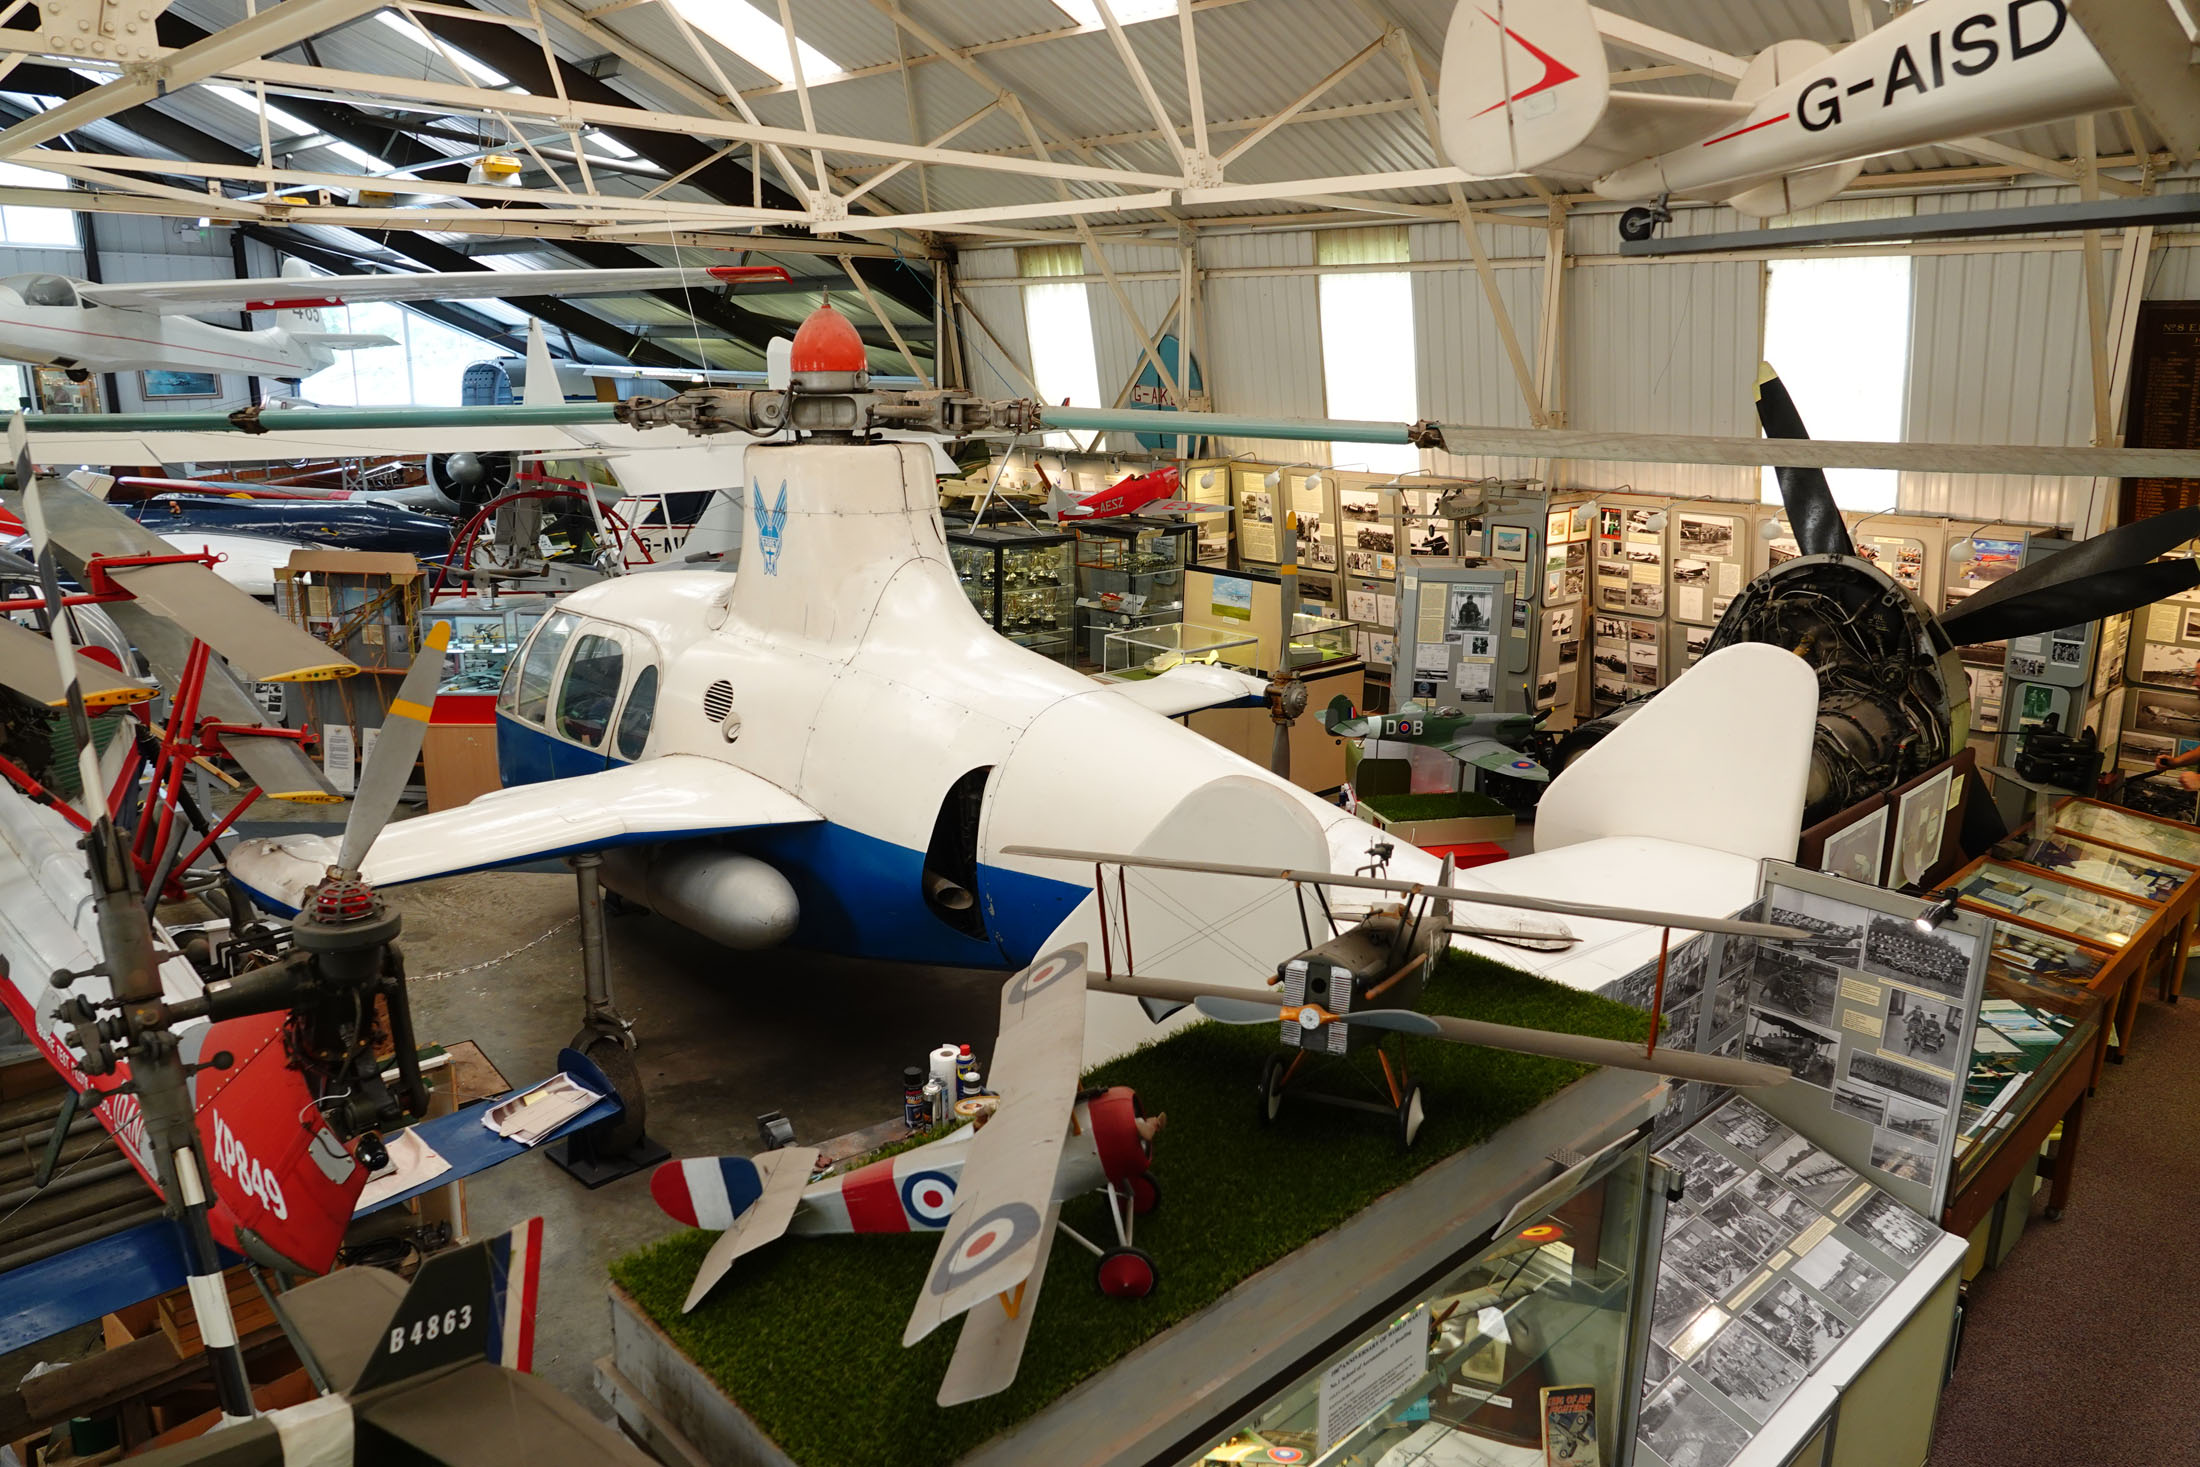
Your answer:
<point x="718" y="701"/>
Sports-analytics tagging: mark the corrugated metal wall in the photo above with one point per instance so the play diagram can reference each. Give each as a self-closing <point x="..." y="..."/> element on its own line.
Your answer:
<point x="1997" y="344"/>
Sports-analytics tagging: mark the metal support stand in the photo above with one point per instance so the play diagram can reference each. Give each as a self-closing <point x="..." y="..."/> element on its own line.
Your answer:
<point x="620" y="1146"/>
<point x="598" y="1015"/>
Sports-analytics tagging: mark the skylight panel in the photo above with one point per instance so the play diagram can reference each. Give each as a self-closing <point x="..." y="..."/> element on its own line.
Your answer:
<point x="279" y="122"/>
<point x="1127" y="12"/>
<point x="485" y="74"/>
<point x="758" y="39"/>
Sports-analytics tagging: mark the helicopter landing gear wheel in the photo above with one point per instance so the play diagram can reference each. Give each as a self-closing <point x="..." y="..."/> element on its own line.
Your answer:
<point x="1127" y="1273"/>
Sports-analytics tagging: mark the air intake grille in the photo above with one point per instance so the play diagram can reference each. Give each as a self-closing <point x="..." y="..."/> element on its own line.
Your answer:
<point x="718" y="701"/>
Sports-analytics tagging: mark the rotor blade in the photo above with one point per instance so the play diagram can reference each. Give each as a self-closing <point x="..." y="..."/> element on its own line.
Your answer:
<point x="1225" y="1010"/>
<point x="1812" y="516"/>
<point x="1731" y="925"/>
<point x="2112" y="572"/>
<point x="92" y="788"/>
<point x="395" y="749"/>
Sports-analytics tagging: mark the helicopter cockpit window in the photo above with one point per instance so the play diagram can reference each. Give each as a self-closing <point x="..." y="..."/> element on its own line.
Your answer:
<point x="48" y="290"/>
<point x="531" y="698"/>
<point x="641" y="705"/>
<point x="590" y="690"/>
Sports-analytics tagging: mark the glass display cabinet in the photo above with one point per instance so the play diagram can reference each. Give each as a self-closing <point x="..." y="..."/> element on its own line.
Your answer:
<point x="1130" y="573"/>
<point x="1022" y="580"/>
<point x="1149" y="651"/>
<point x="1558" y="1300"/>
<point x="1319" y="639"/>
<point x="2039" y="900"/>
<point x="485" y="632"/>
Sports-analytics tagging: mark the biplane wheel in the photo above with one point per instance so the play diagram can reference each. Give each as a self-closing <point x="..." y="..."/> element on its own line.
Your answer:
<point x="1271" y="1087"/>
<point x="1410" y="1116"/>
<point x="1127" y="1273"/>
<point x="1145" y="1193"/>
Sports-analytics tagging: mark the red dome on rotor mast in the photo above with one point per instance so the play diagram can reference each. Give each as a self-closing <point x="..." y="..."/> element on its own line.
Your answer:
<point x="827" y="342"/>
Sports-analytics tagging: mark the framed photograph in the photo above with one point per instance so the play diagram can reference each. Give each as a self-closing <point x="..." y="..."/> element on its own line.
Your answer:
<point x="1509" y="542"/>
<point x="1856" y="851"/>
<point x="57" y="394"/>
<point x="1918" y="825"/>
<point x="1558" y="527"/>
<point x="163" y="385"/>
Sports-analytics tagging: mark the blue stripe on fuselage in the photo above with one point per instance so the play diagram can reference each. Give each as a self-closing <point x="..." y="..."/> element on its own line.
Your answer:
<point x="860" y="895"/>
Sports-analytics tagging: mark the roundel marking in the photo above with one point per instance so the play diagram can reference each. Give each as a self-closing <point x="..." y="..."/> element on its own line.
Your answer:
<point x="1044" y="972"/>
<point x="1523" y="764"/>
<point x="928" y="1198"/>
<point x="1286" y="1454"/>
<point x="1000" y="1232"/>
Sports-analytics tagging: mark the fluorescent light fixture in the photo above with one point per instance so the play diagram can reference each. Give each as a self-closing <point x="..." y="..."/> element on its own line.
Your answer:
<point x="1127" y="12"/>
<point x="278" y="121"/>
<point x="757" y="38"/>
<point x="488" y="76"/>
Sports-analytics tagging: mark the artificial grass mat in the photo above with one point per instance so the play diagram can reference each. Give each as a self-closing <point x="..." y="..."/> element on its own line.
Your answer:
<point x="806" y="1334"/>
<point x="1434" y="807"/>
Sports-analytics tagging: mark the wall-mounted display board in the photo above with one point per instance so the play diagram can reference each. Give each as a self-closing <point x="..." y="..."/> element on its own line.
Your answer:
<point x="1458" y="643"/>
<point x="1711" y="556"/>
<point x="1367" y="533"/>
<point x="1631" y="565"/>
<point x="2165" y="403"/>
<point x="1209" y="483"/>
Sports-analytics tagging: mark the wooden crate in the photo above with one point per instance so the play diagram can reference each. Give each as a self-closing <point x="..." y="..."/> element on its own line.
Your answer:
<point x="179" y="1317"/>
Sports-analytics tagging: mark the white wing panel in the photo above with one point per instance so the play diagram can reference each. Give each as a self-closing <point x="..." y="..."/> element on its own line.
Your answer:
<point x="676" y="797"/>
<point x="1189" y="687"/>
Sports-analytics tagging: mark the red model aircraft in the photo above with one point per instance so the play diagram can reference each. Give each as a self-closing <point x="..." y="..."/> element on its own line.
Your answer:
<point x="1154" y="492"/>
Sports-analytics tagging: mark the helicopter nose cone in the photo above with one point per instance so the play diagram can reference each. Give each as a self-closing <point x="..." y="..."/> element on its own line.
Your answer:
<point x="828" y="356"/>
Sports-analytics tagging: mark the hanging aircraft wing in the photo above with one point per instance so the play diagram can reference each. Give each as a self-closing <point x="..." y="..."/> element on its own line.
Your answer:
<point x="672" y="797"/>
<point x="1004" y="1204"/>
<point x="1499" y="758"/>
<point x="1191" y="686"/>
<point x="190" y="297"/>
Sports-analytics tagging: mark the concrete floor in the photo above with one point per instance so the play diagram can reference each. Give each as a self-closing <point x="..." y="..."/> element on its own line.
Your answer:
<point x="723" y="1037"/>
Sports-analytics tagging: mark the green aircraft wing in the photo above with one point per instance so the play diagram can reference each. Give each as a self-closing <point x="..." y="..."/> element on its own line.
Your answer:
<point x="1489" y="754"/>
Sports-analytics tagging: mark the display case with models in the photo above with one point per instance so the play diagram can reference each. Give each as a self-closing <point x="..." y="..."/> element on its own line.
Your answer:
<point x="1149" y="651"/>
<point x="1130" y="573"/>
<point x="1022" y="581"/>
<point x="1319" y="639"/>
<point x="1533" y="1342"/>
<point x="485" y="632"/>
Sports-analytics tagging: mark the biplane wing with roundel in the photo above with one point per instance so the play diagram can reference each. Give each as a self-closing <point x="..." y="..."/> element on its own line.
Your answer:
<point x="994" y="1250"/>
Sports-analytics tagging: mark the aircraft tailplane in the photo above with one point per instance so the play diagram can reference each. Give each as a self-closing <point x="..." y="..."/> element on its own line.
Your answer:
<point x="1523" y="82"/>
<point x="1805" y="188"/>
<point x="472" y="1303"/>
<point x="1722" y="757"/>
<point x="541" y="388"/>
<point x="339" y="340"/>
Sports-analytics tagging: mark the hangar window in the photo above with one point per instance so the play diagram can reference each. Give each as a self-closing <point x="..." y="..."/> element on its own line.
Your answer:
<point x="427" y="366"/>
<point x="531" y="698"/>
<point x="28" y="224"/>
<point x="1838" y="333"/>
<point x="1367" y="340"/>
<point x="1058" y="321"/>
<point x="641" y="706"/>
<point x="591" y="689"/>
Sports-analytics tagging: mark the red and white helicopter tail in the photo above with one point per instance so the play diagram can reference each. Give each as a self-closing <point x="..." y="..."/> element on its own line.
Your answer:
<point x="1523" y="82"/>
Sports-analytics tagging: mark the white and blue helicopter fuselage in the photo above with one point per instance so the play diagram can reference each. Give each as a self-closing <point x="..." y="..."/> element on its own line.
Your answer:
<point x="830" y="748"/>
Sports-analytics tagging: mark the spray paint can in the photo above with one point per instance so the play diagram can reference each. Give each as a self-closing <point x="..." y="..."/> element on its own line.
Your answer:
<point x="913" y="1113"/>
<point x="943" y="1067"/>
<point x="936" y="1100"/>
<point x="967" y="1080"/>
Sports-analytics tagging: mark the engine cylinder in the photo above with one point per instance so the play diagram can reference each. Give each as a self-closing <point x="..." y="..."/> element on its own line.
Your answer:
<point x="734" y="900"/>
